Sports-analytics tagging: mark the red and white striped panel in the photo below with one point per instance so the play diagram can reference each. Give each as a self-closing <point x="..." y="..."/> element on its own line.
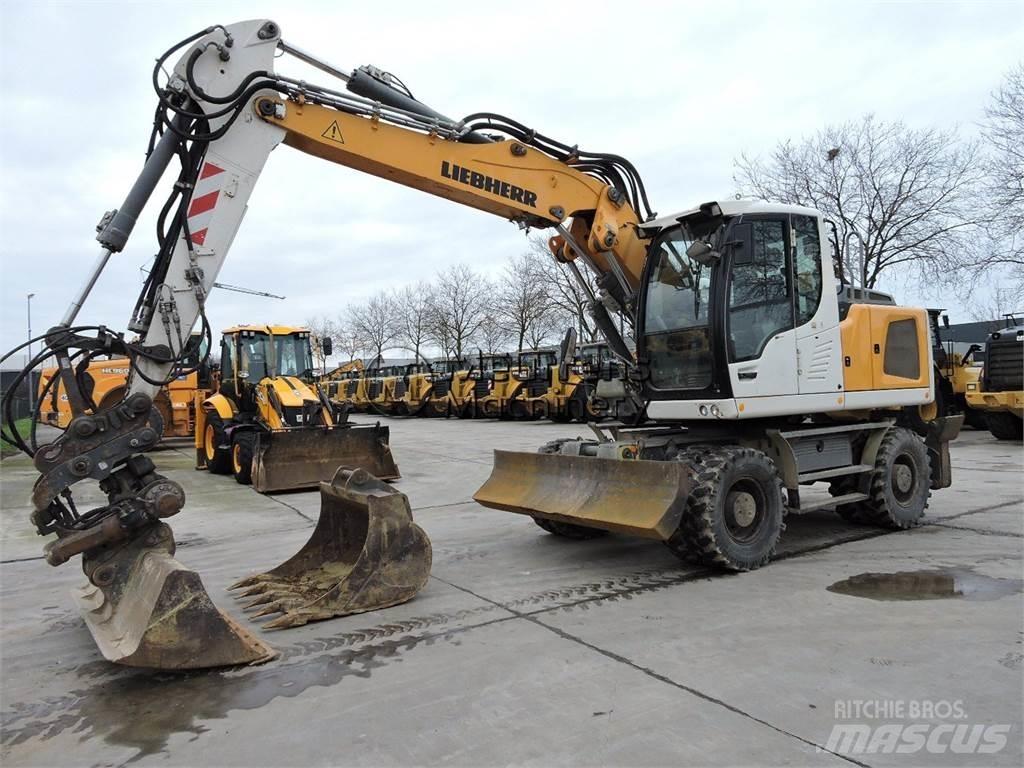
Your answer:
<point x="204" y="200"/>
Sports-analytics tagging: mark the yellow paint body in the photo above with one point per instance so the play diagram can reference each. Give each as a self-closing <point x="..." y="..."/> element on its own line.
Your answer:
<point x="871" y="356"/>
<point x="175" y="402"/>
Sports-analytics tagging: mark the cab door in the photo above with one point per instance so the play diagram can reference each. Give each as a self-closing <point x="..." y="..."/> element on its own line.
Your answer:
<point x="760" y="331"/>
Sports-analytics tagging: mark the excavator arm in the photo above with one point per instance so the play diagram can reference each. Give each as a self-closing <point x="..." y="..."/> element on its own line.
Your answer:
<point x="220" y="115"/>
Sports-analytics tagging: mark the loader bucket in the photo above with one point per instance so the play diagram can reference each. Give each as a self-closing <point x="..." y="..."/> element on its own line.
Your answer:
<point x="287" y="460"/>
<point x="145" y="609"/>
<point x="641" y="498"/>
<point x="365" y="553"/>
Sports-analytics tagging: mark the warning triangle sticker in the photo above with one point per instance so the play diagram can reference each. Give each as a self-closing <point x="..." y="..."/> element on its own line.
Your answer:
<point x="333" y="133"/>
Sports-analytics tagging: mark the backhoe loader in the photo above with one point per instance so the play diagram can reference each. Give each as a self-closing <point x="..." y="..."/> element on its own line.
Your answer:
<point x="759" y="373"/>
<point x="271" y="427"/>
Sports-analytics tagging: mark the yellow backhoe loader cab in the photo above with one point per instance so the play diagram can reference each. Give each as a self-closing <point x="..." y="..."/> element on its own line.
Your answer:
<point x="270" y="426"/>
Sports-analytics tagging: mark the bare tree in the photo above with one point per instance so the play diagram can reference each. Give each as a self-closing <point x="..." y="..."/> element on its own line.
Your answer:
<point x="493" y="334"/>
<point x="459" y="305"/>
<point x="347" y="340"/>
<point x="568" y="302"/>
<point x="320" y="327"/>
<point x="413" y="314"/>
<point x="375" y="321"/>
<point x="522" y="303"/>
<point x="899" y="197"/>
<point x="1003" y="132"/>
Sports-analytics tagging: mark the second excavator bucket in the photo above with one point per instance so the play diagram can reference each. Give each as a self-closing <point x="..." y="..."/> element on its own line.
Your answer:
<point x="641" y="498"/>
<point x="365" y="553"/>
<point x="145" y="609"/>
<point x="288" y="460"/>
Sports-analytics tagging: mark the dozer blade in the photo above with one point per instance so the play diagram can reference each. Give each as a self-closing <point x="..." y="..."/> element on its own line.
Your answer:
<point x="145" y="609"/>
<point x="288" y="460"/>
<point x="365" y="553"/>
<point x="641" y="498"/>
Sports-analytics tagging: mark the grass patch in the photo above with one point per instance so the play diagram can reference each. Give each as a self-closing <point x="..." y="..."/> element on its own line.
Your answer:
<point x="24" y="427"/>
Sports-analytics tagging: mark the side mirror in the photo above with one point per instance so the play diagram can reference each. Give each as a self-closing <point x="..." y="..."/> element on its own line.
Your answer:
<point x="702" y="253"/>
<point x="327" y="346"/>
<point x="741" y="241"/>
<point x="566" y="353"/>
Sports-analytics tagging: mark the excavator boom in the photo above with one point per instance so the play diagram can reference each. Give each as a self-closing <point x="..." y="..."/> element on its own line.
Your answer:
<point x="222" y="111"/>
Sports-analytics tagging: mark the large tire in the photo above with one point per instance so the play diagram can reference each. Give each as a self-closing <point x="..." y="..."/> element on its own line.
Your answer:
<point x="734" y="514"/>
<point x="900" y="484"/>
<point x="565" y="530"/>
<point x="243" y="447"/>
<point x="218" y="459"/>
<point x="1004" y="425"/>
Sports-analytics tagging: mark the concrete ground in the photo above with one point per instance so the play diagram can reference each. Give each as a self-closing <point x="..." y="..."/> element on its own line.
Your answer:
<point x="529" y="649"/>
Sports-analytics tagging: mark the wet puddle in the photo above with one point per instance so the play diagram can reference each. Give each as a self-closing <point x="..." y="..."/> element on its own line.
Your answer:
<point x="957" y="583"/>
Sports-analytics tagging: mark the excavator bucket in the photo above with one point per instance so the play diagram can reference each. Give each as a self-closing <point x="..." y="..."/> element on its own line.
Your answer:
<point x="641" y="498"/>
<point x="365" y="553"/>
<point x="287" y="460"/>
<point x="145" y="609"/>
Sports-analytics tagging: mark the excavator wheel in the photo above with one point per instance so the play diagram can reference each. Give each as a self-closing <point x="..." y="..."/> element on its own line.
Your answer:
<point x="243" y="446"/>
<point x="900" y="483"/>
<point x="734" y="513"/>
<point x="218" y="459"/>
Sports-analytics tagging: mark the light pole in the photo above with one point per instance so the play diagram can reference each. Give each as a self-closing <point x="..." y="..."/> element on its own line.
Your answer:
<point x="31" y="391"/>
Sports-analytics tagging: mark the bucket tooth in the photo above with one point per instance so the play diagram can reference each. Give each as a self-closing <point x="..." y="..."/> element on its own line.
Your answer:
<point x="365" y="553"/>
<point x="638" y="497"/>
<point x="287" y="460"/>
<point x="145" y="609"/>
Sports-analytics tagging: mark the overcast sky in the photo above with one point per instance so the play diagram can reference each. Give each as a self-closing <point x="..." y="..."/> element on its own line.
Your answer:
<point x="679" y="88"/>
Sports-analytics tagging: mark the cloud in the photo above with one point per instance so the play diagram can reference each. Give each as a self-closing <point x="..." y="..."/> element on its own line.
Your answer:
<point x="679" y="88"/>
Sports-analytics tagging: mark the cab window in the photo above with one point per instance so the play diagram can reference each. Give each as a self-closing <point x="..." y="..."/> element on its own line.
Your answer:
<point x="227" y="357"/>
<point x="806" y="267"/>
<point x="759" y="292"/>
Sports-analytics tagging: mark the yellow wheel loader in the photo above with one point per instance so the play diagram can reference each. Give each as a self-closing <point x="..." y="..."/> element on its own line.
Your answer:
<point x="271" y="427"/>
<point x="453" y="386"/>
<point x="999" y="393"/>
<point x="501" y="381"/>
<point x="346" y="385"/>
<point x="759" y="374"/>
<point x="554" y="388"/>
<point x="414" y="390"/>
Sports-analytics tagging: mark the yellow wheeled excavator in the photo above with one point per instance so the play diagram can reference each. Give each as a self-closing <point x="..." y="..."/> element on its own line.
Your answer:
<point x="760" y="374"/>
<point x="271" y="426"/>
